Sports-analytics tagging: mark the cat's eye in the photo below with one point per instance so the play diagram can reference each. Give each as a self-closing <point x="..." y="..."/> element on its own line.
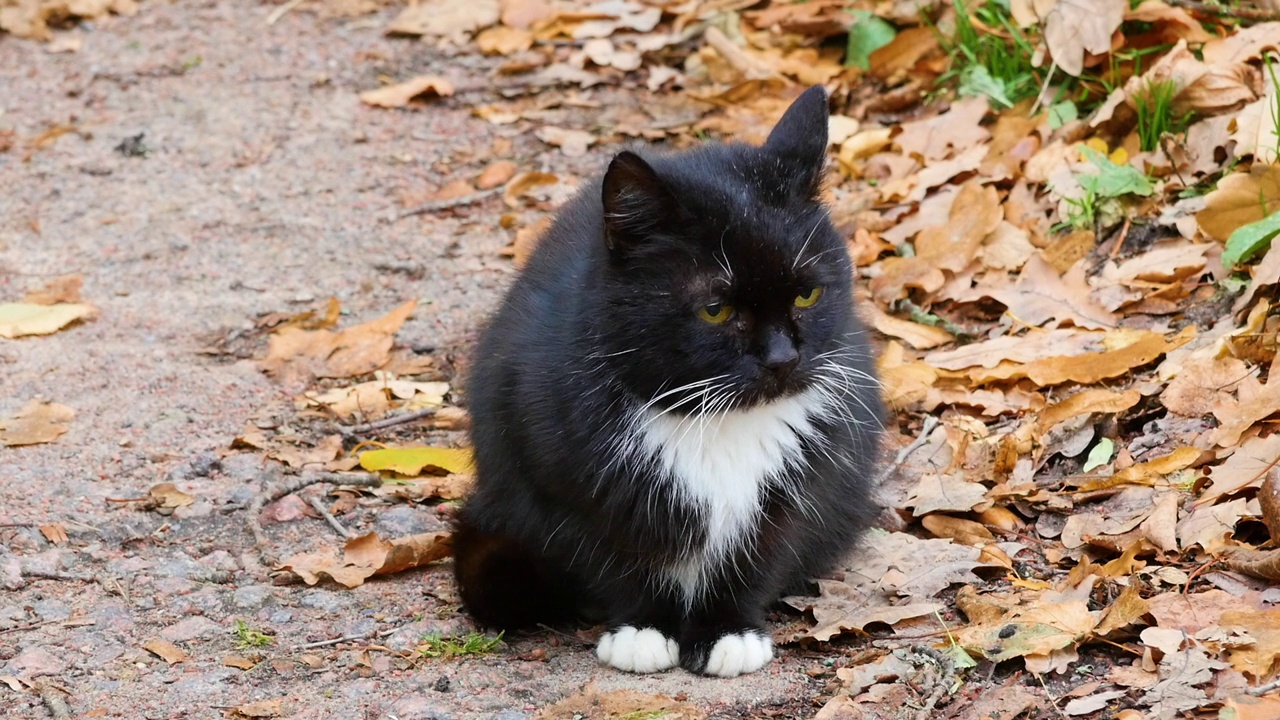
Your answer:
<point x="715" y="313"/>
<point x="809" y="298"/>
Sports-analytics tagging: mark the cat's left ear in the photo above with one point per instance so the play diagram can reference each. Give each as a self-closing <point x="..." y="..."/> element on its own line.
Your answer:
<point x="799" y="140"/>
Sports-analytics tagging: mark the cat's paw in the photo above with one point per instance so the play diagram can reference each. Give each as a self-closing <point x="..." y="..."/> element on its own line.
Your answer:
<point x="738" y="654"/>
<point x="644" y="650"/>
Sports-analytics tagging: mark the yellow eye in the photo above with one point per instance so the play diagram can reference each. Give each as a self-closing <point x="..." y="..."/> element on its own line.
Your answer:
<point x="716" y="313"/>
<point x="808" y="298"/>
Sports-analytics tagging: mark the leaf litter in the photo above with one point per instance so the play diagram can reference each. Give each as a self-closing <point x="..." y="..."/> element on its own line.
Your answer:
<point x="1085" y="305"/>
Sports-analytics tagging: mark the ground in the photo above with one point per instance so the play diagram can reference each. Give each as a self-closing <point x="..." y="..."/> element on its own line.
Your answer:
<point x="267" y="186"/>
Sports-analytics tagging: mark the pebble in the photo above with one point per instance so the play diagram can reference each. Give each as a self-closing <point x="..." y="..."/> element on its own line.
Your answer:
<point x="36" y="661"/>
<point x="406" y="520"/>
<point x="190" y="629"/>
<point x="325" y="600"/>
<point x="251" y="596"/>
<point x="420" y="707"/>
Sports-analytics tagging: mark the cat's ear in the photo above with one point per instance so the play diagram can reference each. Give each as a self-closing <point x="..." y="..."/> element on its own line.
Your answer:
<point x="636" y="201"/>
<point x="799" y="140"/>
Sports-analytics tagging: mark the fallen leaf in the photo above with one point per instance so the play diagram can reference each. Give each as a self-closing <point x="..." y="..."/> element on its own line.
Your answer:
<point x="373" y="399"/>
<point x="1074" y="27"/>
<point x="54" y="533"/>
<point x="1041" y="294"/>
<point x="165" y="650"/>
<point x="295" y="356"/>
<point x="958" y="129"/>
<point x="1035" y="630"/>
<point x="238" y="662"/>
<point x="448" y="18"/>
<point x="400" y="94"/>
<point x="368" y="555"/>
<point x="573" y="143"/>
<point x="945" y="492"/>
<point x="965" y="532"/>
<point x="167" y="496"/>
<point x="1139" y="348"/>
<point x="920" y="337"/>
<point x="37" y="422"/>
<point x="416" y="460"/>
<point x="504" y="40"/>
<point x="1240" y="199"/>
<point x="495" y="174"/>
<point x="22" y="319"/>
<point x="1247" y="467"/>
<point x="260" y="709"/>
<point x="64" y="289"/>
<point x="1253" y="402"/>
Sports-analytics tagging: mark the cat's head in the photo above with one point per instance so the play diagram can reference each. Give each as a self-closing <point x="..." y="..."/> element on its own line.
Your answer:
<point x="727" y="285"/>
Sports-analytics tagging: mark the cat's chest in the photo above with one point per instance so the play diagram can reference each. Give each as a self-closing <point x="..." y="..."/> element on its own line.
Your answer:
<point x="721" y="464"/>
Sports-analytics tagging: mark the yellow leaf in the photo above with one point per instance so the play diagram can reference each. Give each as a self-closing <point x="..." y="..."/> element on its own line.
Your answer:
<point x="414" y="460"/>
<point x="19" y="319"/>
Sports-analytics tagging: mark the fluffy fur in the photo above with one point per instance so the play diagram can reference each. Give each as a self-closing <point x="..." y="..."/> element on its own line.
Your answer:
<point x="669" y="435"/>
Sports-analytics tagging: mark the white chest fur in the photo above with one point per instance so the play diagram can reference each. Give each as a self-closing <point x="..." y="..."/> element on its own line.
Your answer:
<point x="722" y="463"/>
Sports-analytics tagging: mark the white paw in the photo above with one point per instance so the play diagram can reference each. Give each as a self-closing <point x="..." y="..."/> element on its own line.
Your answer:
<point x="638" y="651"/>
<point x="734" y="655"/>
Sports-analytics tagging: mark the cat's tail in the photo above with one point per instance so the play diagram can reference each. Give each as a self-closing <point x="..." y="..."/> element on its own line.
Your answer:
<point x="504" y="585"/>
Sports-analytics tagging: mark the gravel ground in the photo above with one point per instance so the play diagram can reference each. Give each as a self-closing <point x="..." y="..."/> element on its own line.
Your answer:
<point x="267" y="186"/>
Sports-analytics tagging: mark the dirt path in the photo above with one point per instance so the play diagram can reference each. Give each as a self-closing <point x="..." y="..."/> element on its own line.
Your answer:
<point x="266" y="187"/>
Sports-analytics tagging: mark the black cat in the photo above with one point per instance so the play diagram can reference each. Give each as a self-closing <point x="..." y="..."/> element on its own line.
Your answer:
<point x="674" y="411"/>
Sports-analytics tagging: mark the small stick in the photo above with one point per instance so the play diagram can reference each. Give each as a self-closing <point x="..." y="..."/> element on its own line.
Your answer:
<point x="926" y="429"/>
<point x="439" y="205"/>
<point x="56" y="701"/>
<point x="344" y="638"/>
<point x="319" y="507"/>
<point x="275" y="492"/>
<point x="1264" y="689"/>
<point x="1230" y="12"/>
<point x="283" y="10"/>
<point x="388" y="422"/>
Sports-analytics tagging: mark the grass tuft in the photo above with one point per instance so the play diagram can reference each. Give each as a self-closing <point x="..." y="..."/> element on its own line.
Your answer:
<point x="452" y="647"/>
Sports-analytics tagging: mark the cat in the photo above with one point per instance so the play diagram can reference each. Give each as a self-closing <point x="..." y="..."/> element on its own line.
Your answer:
<point x="674" y="411"/>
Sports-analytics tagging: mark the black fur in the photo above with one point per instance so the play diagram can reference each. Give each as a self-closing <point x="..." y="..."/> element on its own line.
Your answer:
<point x="604" y="319"/>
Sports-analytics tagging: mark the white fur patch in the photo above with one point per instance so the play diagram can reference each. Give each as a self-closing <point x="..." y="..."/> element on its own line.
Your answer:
<point x="638" y="651"/>
<point x="721" y="463"/>
<point x="735" y="655"/>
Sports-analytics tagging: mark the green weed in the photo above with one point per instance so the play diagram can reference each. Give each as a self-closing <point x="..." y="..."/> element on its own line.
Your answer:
<point x="988" y="64"/>
<point x="248" y="637"/>
<point x="452" y="647"/>
<point x="1155" y="113"/>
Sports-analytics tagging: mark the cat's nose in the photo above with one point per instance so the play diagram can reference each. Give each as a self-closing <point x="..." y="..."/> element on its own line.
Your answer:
<point x="780" y="355"/>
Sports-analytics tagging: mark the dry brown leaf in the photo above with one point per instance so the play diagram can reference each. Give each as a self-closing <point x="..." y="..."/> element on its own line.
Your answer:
<point x="945" y="492"/>
<point x="1200" y="383"/>
<point x="295" y="356"/>
<point x="920" y="337"/>
<point x="400" y="94"/>
<point x="238" y="662"/>
<point x="1074" y="27"/>
<point x="165" y="650"/>
<point x="504" y="40"/>
<point x="522" y="185"/>
<point x="37" y="422"/>
<point x="497" y="173"/>
<point x="1243" y="45"/>
<point x="1253" y="402"/>
<point x="315" y="456"/>
<point x="1256" y="132"/>
<point x="1035" y="630"/>
<point x="975" y="214"/>
<point x="428" y="487"/>
<point x="1247" y="467"/>
<point x="448" y="18"/>
<point x="1140" y="348"/>
<point x="1008" y="247"/>
<point x="573" y="143"/>
<point x="1127" y="610"/>
<point x="167" y="496"/>
<point x="1264" y="564"/>
<point x="1041" y="294"/>
<point x="1209" y="526"/>
<point x="23" y="319"/>
<point x="366" y="556"/>
<point x="54" y="533"/>
<point x="1259" y="657"/>
<point x="1149" y="472"/>
<point x="373" y="399"/>
<point x="965" y="532"/>
<point x="1240" y="199"/>
<point x="1036" y="345"/>
<point x="1162" y="263"/>
<point x="1091" y="400"/>
<point x="1269" y="501"/>
<point x="1176" y="23"/>
<point x="1248" y="707"/>
<point x="1192" y="612"/>
<point x="957" y="130"/>
<point x="590" y="702"/>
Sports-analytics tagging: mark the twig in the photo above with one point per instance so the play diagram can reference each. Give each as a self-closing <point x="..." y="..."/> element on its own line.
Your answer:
<point x="388" y="422"/>
<point x="274" y="492"/>
<point x="1229" y="12"/>
<point x="344" y="638"/>
<point x="926" y="429"/>
<point x="1264" y="689"/>
<point x="283" y="10"/>
<point x="319" y="507"/>
<point x="56" y="701"/>
<point x="44" y="575"/>
<point x="439" y="205"/>
<point x="1040" y="95"/>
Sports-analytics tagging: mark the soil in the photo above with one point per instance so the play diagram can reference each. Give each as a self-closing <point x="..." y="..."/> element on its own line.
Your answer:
<point x="260" y="183"/>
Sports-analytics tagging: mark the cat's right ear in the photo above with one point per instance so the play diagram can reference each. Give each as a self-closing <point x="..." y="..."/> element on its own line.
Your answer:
<point x="637" y="202"/>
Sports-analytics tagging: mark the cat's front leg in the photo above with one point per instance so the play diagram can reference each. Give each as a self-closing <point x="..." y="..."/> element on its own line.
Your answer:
<point x="725" y="642"/>
<point x="642" y="636"/>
